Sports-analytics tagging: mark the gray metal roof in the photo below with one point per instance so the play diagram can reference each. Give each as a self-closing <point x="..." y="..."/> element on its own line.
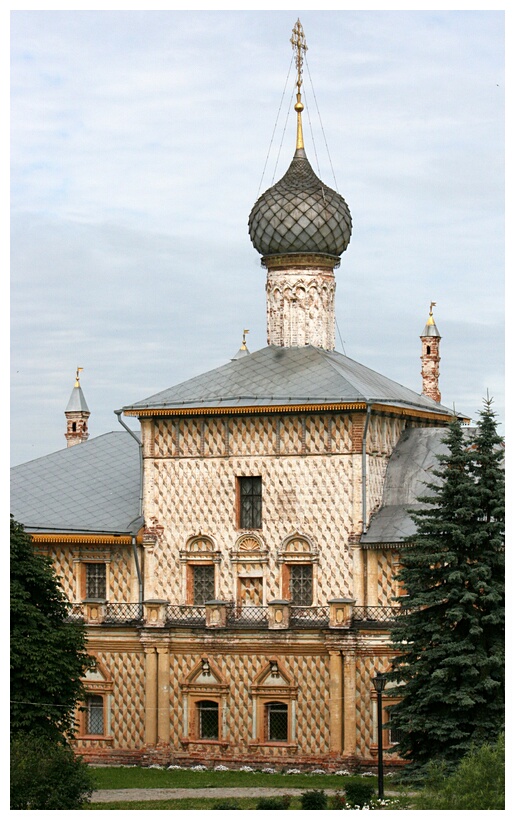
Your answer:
<point x="92" y="487"/>
<point x="77" y="402"/>
<point x="299" y="214"/>
<point x="409" y="470"/>
<point x="287" y="376"/>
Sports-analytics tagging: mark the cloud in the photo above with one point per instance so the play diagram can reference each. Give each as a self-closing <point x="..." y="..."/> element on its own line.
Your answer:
<point x="139" y="140"/>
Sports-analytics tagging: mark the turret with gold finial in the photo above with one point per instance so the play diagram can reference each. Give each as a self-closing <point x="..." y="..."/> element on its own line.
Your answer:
<point x="77" y="415"/>
<point x="431" y="358"/>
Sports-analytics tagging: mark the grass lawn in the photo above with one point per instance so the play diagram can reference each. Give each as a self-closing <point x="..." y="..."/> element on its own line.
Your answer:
<point x="146" y="778"/>
<point x="179" y="805"/>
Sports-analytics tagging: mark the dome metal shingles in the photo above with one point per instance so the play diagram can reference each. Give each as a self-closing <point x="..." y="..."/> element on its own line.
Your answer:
<point x="299" y="214"/>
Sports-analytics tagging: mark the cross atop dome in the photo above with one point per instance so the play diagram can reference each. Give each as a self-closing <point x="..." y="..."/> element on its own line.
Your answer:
<point x="301" y="227"/>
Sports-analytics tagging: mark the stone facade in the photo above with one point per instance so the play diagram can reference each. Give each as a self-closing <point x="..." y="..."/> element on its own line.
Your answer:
<point x="300" y="306"/>
<point x="161" y="661"/>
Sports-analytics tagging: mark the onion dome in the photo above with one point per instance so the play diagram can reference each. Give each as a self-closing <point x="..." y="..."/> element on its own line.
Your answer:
<point x="299" y="214"/>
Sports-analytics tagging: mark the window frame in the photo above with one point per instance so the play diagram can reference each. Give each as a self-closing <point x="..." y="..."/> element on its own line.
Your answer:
<point x="97" y="683"/>
<point x="267" y="707"/>
<point x="87" y="569"/>
<point x="197" y="721"/>
<point x="204" y="683"/>
<point x="387" y="702"/>
<point x="193" y="568"/>
<point x="256" y="515"/>
<point x="289" y="568"/>
<point x="98" y="697"/>
<point x="273" y="685"/>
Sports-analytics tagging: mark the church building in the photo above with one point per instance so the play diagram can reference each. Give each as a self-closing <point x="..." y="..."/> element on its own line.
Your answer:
<point x="235" y="561"/>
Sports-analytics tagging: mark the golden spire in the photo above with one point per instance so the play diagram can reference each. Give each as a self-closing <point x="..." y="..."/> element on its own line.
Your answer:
<point x="77" y="376"/>
<point x="298" y="42"/>
<point x="244" y="341"/>
<point x="431" y="321"/>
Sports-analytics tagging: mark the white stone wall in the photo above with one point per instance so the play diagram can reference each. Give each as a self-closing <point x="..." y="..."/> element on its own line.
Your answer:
<point x="300" y="307"/>
<point x="312" y="477"/>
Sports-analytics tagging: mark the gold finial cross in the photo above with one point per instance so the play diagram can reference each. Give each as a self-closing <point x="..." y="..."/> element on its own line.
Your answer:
<point x="77" y="376"/>
<point x="298" y="41"/>
<point x="244" y="341"/>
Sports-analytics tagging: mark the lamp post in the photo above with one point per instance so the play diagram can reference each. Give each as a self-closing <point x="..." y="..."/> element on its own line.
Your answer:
<point x="379" y="684"/>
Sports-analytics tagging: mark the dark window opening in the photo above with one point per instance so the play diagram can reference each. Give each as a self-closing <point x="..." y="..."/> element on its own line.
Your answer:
<point x="277" y="722"/>
<point x="394" y="734"/>
<point x="203" y="584"/>
<point x="301" y="584"/>
<point x="96" y="581"/>
<point x="428" y="350"/>
<point x="95" y="715"/>
<point x="250" y="502"/>
<point x="207" y="711"/>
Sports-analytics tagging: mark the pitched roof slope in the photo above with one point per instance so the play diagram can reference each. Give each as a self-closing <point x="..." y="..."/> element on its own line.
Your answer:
<point x="410" y="469"/>
<point x="287" y="376"/>
<point x="92" y="487"/>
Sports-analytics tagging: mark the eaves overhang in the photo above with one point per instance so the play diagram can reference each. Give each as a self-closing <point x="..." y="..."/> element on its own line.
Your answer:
<point x="53" y="537"/>
<point x="235" y="409"/>
<point x="186" y="409"/>
<point x="385" y="545"/>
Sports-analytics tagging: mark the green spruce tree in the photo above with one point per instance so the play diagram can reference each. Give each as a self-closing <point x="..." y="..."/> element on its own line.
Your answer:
<point x="449" y="634"/>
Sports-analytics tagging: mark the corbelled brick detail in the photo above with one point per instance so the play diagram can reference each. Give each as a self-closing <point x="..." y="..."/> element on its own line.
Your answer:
<point x="300" y="307"/>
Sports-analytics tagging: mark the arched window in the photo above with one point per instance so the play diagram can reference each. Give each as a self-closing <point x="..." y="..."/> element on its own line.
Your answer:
<point x="207" y="719"/>
<point x="298" y="558"/>
<point x="200" y="560"/>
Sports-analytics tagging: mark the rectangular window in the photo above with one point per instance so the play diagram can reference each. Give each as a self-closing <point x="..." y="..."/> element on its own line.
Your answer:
<point x="250" y="502"/>
<point x="207" y="711"/>
<point x="301" y="584"/>
<point x="394" y="735"/>
<point x="277" y="722"/>
<point x="96" y="581"/>
<point x="95" y="715"/>
<point x="203" y="583"/>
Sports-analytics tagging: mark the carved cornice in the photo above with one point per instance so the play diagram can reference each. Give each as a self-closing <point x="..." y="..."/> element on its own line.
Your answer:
<point x="300" y="260"/>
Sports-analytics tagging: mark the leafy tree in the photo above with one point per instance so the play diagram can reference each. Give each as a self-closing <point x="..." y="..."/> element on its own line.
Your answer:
<point x="477" y="784"/>
<point x="48" y="655"/>
<point x="45" y="774"/>
<point x="449" y="634"/>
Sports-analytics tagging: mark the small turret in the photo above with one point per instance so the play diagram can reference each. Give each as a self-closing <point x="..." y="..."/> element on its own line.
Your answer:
<point x="431" y="358"/>
<point x="77" y="415"/>
<point x="243" y="351"/>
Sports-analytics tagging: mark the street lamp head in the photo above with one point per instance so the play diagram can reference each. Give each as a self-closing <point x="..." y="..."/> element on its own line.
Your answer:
<point x="379" y="682"/>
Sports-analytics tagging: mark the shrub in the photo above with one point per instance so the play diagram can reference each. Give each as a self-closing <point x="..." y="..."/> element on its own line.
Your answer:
<point x="47" y="775"/>
<point x="337" y="801"/>
<point x="225" y="805"/>
<point x="477" y="783"/>
<point x="274" y="803"/>
<point x="314" y="800"/>
<point x="359" y="793"/>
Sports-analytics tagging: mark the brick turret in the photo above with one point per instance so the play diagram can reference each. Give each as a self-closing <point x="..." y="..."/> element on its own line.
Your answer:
<point x="77" y="415"/>
<point x="431" y="358"/>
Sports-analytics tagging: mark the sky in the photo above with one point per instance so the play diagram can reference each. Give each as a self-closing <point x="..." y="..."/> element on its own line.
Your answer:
<point x="140" y="141"/>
